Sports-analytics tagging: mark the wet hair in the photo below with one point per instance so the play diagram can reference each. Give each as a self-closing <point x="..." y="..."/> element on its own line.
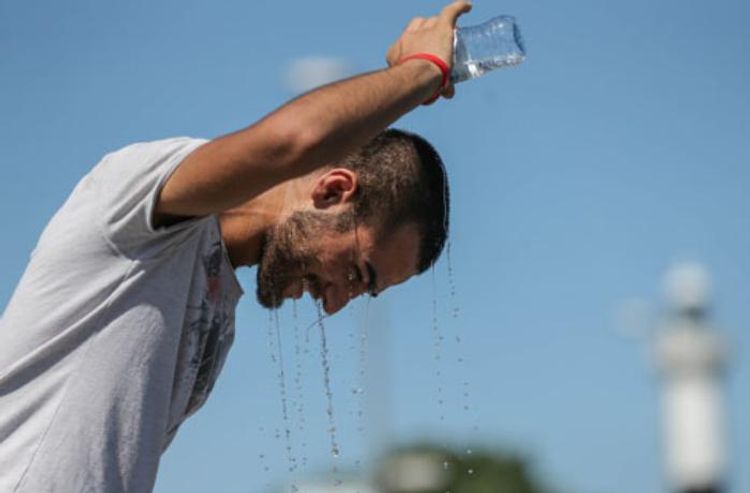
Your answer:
<point x="402" y="182"/>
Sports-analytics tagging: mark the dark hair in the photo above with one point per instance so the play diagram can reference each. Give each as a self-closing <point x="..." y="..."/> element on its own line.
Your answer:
<point x="402" y="181"/>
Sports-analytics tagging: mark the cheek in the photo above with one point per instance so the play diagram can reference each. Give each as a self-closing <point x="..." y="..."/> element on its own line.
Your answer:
<point x="306" y="258"/>
<point x="328" y="269"/>
<point x="334" y="269"/>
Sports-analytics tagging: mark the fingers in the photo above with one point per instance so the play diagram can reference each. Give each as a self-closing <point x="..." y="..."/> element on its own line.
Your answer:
<point x="432" y="35"/>
<point x="431" y="22"/>
<point x="415" y="24"/>
<point x="447" y="16"/>
<point x="452" y="12"/>
<point x="390" y="56"/>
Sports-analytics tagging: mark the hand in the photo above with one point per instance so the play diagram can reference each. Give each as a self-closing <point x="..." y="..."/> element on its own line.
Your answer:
<point x="432" y="35"/>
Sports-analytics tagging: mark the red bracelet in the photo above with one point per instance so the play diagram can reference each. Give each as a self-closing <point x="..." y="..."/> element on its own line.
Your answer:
<point x="440" y="64"/>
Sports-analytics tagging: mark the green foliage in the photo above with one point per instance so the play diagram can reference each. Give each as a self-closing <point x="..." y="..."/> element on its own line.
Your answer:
<point x="480" y="471"/>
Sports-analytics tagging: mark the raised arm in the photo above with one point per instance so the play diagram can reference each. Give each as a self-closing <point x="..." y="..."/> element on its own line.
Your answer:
<point x="317" y="128"/>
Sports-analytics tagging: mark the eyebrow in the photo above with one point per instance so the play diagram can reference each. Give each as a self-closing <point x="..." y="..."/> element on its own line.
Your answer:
<point x="372" y="287"/>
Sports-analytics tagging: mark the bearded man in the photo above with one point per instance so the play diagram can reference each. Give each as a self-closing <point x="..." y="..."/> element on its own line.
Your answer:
<point x="122" y="320"/>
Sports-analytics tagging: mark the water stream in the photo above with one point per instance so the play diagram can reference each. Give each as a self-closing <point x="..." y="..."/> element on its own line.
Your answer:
<point x="291" y="459"/>
<point x="299" y="392"/>
<point x="466" y="404"/>
<point x="335" y="450"/>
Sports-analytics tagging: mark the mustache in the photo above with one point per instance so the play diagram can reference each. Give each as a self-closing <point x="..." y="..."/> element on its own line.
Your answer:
<point x="273" y="284"/>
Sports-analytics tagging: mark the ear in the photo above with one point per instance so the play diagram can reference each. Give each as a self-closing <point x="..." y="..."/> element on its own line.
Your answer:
<point x="335" y="187"/>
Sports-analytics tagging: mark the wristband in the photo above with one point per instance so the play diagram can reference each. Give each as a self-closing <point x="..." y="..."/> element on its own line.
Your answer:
<point x="440" y="64"/>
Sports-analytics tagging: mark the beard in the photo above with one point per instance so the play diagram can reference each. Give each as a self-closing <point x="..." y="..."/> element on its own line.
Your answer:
<point x="287" y="253"/>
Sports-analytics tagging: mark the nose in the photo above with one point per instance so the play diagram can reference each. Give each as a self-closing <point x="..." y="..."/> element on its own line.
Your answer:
<point x="337" y="297"/>
<point x="332" y="306"/>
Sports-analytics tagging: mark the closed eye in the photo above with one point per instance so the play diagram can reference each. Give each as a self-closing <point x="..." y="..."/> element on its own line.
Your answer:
<point x="358" y="277"/>
<point x="372" y="285"/>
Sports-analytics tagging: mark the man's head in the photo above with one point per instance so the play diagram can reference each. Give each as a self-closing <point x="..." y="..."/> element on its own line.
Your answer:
<point x="375" y="219"/>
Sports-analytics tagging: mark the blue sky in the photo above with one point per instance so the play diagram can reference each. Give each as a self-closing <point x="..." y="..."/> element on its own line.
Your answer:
<point x="578" y="178"/>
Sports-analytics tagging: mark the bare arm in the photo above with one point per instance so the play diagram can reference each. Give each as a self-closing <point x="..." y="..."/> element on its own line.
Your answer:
<point x="318" y="128"/>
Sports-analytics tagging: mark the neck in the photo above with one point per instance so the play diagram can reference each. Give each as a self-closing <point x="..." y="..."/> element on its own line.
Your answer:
<point x="243" y="236"/>
<point x="243" y="228"/>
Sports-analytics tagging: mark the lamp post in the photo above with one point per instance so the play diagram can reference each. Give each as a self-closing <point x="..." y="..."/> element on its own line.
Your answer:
<point x="691" y="358"/>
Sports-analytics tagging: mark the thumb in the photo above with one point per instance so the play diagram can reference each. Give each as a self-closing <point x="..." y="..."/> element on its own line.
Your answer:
<point x="452" y="12"/>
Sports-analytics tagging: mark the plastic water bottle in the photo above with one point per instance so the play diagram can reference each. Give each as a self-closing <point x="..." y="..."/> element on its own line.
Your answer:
<point x="478" y="49"/>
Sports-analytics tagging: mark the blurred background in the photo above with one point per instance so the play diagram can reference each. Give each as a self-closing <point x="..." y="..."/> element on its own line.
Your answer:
<point x="532" y="358"/>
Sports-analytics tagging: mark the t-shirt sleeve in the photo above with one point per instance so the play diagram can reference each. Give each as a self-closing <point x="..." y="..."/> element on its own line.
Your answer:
<point x="128" y="183"/>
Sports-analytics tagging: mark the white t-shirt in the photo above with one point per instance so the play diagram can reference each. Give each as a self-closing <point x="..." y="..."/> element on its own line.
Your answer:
<point x="115" y="334"/>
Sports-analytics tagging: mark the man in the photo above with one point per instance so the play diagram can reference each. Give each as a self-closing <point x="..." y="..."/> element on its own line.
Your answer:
<point x="123" y="318"/>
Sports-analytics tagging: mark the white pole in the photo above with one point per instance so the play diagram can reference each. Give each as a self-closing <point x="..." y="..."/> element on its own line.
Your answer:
<point x="691" y="358"/>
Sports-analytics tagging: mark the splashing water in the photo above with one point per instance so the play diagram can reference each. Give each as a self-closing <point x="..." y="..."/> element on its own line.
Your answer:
<point x="438" y="349"/>
<point x="466" y="405"/>
<point x="359" y="391"/>
<point x="299" y="393"/>
<point x="335" y="451"/>
<point x="455" y="310"/>
<point x="284" y="401"/>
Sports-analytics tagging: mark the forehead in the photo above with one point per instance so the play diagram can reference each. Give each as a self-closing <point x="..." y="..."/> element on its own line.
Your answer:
<point x="394" y="256"/>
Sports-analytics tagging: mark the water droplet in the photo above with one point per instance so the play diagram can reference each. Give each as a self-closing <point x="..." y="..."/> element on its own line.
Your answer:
<point x="279" y="360"/>
<point x="327" y="382"/>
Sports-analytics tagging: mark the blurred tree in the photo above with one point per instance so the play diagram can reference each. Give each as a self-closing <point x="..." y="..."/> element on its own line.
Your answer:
<point x="432" y="469"/>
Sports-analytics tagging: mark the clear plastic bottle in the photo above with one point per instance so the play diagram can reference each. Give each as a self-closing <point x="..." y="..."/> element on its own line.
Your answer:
<point x="478" y="49"/>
